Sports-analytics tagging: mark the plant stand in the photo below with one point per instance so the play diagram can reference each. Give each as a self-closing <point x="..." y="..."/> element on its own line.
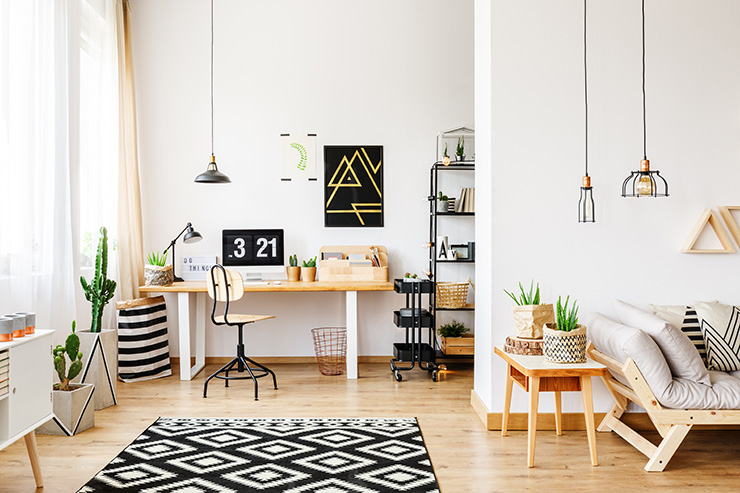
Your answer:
<point x="414" y="319"/>
<point x="100" y="354"/>
<point x="73" y="411"/>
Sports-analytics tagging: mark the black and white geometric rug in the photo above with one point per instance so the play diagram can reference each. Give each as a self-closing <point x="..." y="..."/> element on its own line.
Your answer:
<point x="297" y="455"/>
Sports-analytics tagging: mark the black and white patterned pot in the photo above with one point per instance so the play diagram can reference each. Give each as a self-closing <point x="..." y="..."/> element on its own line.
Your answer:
<point x="564" y="347"/>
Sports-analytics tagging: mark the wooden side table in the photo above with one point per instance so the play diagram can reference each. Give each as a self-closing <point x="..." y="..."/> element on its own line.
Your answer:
<point x="534" y="374"/>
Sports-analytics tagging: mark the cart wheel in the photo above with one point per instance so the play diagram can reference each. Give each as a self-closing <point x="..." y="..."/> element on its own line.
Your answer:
<point x="434" y="376"/>
<point x="398" y="376"/>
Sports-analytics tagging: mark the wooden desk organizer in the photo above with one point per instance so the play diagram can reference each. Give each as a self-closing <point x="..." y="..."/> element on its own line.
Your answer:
<point x="334" y="270"/>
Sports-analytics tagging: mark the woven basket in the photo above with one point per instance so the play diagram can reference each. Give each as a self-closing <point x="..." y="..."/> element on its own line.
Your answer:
<point x="564" y="347"/>
<point x="330" y="344"/>
<point x="452" y="294"/>
<point x="155" y="275"/>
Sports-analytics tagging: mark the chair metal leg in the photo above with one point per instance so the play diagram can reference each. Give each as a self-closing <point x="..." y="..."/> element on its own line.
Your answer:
<point x="274" y="379"/>
<point x="256" y="385"/>
<point x="205" y="386"/>
<point x="230" y="366"/>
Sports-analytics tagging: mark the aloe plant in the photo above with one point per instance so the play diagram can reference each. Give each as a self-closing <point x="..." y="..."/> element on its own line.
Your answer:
<point x="526" y="298"/>
<point x="566" y="320"/>
<point x="445" y="153"/>
<point x="101" y="289"/>
<point x="155" y="258"/>
<point x="460" y="146"/>
<point x="310" y="262"/>
<point x="72" y="349"/>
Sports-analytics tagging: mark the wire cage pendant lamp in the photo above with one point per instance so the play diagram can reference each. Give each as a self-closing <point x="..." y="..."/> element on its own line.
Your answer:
<point x="212" y="174"/>
<point x="644" y="182"/>
<point x="586" y="202"/>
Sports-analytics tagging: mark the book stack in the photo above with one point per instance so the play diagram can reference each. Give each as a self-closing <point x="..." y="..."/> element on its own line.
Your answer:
<point x="467" y="200"/>
<point x="4" y="365"/>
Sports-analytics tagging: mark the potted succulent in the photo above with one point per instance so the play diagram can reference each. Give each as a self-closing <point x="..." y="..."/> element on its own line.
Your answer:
<point x="156" y="270"/>
<point x="455" y="340"/>
<point x="100" y="346"/>
<point x="294" y="271"/>
<point x="442" y="202"/>
<point x="446" y="157"/>
<point x="529" y="315"/>
<point x="565" y="341"/>
<point x="460" y="151"/>
<point x="73" y="409"/>
<point x="308" y="270"/>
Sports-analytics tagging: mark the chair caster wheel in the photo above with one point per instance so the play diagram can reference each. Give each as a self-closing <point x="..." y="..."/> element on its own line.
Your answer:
<point x="434" y="376"/>
<point x="398" y="376"/>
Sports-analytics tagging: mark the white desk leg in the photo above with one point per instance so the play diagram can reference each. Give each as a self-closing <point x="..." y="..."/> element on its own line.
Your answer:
<point x="351" y="334"/>
<point x="200" y="334"/>
<point x="183" y="313"/>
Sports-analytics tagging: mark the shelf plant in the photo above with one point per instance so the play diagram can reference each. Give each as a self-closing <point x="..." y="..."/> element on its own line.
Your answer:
<point x="460" y="151"/>
<point x="530" y="315"/>
<point x="565" y="340"/>
<point x="99" y="291"/>
<point x="294" y="271"/>
<point x="442" y="202"/>
<point x="453" y="329"/>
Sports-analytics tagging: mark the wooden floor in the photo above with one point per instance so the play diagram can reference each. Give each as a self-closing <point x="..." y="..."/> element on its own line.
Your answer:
<point x="466" y="457"/>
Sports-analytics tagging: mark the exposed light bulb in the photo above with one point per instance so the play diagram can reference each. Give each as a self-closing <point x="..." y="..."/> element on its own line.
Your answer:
<point x="644" y="186"/>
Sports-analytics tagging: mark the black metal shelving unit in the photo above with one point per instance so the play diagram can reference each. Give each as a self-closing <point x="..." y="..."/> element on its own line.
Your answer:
<point x="461" y="166"/>
<point x="414" y="318"/>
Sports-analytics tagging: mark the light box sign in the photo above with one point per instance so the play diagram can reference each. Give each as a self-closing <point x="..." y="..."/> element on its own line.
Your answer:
<point x="252" y="247"/>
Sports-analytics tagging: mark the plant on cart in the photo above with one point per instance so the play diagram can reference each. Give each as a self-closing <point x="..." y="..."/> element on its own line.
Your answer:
<point x="71" y="349"/>
<point x="101" y="289"/>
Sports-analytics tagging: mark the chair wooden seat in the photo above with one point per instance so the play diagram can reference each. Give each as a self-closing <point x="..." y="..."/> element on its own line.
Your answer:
<point x="242" y="319"/>
<point x="227" y="286"/>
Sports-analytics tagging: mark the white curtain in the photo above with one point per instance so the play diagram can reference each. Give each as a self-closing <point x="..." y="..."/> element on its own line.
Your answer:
<point x="58" y="153"/>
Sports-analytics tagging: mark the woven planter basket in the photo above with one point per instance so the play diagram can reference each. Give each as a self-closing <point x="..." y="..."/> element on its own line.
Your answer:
<point x="564" y="347"/>
<point x="452" y="294"/>
<point x="155" y="275"/>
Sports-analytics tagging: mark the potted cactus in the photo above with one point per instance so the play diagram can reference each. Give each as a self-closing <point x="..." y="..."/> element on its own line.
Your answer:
<point x="294" y="271"/>
<point x="308" y="270"/>
<point x="442" y="202"/>
<point x="446" y="157"/>
<point x="460" y="151"/>
<point x="72" y="403"/>
<point x="156" y="270"/>
<point x="100" y="345"/>
<point x="565" y="341"/>
<point x="530" y="316"/>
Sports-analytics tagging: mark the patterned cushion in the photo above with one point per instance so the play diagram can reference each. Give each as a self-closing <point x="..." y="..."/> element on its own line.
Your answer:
<point x="685" y="318"/>
<point x="720" y="325"/>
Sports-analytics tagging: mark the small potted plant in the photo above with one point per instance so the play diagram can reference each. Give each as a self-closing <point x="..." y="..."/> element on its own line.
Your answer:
<point x="294" y="271"/>
<point x="460" y="151"/>
<point x="446" y="157"/>
<point x="156" y="270"/>
<point x="72" y="404"/>
<point x="565" y="341"/>
<point x="455" y="340"/>
<point x="442" y="202"/>
<point x="308" y="271"/>
<point x="529" y="315"/>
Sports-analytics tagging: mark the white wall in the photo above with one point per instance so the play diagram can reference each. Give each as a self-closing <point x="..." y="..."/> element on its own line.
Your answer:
<point x="382" y="72"/>
<point x="632" y="251"/>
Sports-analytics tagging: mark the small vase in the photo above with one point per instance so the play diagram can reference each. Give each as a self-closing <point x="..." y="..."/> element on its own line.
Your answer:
<point x="564" y="347"/>
<point x="460" y="157"/>
<point x="442" y="206"/>
<point x="308" y="274"/>
<point x="294" y="273"/>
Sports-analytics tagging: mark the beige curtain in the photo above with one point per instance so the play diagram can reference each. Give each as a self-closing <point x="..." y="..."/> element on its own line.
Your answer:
<point x="130" y="246"/>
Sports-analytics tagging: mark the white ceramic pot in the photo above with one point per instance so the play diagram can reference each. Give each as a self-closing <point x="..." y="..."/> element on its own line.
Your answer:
<point x="73" y="411"/>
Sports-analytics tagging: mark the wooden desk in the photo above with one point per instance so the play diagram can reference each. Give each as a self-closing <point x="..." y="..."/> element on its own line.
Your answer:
<point x="534" y="374"/>
<point x="197" y="289"/>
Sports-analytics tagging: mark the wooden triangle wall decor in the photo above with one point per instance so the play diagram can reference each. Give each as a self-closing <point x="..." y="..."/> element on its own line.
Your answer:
<point x="726" y="212"/>
<point x="708" y="216"/>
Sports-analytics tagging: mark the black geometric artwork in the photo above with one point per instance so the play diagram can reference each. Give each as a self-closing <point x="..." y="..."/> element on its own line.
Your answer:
<point x="296" y="455"/>
<point x="353" y="193"/>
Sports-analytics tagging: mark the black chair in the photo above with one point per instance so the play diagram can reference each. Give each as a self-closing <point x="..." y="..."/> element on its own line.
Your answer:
<point x="227" y="286"/>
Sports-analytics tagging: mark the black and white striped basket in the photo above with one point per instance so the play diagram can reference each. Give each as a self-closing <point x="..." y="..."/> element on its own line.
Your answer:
<point x="143" y="344"/>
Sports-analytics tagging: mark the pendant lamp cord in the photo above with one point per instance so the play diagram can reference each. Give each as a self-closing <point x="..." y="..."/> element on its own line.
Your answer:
<point x="212" y="146"/>
<point x="644" y="120"/>
<point x="585" y="80"/>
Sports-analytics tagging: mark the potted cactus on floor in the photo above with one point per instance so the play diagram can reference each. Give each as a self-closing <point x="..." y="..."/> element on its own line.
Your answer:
<point x="72" y="403"/>
<point x="565" y="341"/>
<point x="294" y="271"/>
<point x="100" y="345"/>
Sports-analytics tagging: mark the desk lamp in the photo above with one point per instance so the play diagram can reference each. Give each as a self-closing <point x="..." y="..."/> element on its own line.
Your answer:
<point x="191" y="236"/>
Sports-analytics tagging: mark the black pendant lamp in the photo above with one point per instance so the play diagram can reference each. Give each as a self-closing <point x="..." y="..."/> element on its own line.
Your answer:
<point x="586" y="202"/>
<point x="212" y="174"/>
<point x="644" y="182"/>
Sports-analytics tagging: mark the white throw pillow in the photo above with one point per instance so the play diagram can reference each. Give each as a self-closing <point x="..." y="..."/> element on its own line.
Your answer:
<point x="720" y="325"/>
<point x="682" y="357"/>
<point x="685" y="318"/>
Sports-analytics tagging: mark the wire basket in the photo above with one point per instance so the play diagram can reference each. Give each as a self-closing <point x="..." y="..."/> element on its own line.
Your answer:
<point x="452" y="294"/>
<point x="330" y="344"/>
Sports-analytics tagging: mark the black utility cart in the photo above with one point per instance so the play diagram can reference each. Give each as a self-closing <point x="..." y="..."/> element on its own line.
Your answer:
<point x="414" y="318"/>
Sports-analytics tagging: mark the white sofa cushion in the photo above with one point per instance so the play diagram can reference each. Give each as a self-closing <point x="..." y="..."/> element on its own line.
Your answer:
<point x="685" y="318"/>
<point x="622" y="342"/>
<point x="720" y="325"/>
<point x="682" y="357"/>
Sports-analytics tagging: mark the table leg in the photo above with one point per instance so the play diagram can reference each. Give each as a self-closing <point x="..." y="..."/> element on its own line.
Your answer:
<point x="351" y="334"/>
<point x="588" y="412"/>
<point x="558" y="413"/>
<point x="534" y="399"/>
<point x="183" y="314"/>
<point x="507" y="401"/>
<point x="33" y="455"/>
<point x="200" y="334"/>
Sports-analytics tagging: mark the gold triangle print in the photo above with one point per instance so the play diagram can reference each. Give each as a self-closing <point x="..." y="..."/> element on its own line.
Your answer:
<point x="708" y="217"/>
<point x="726" y="212"/>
